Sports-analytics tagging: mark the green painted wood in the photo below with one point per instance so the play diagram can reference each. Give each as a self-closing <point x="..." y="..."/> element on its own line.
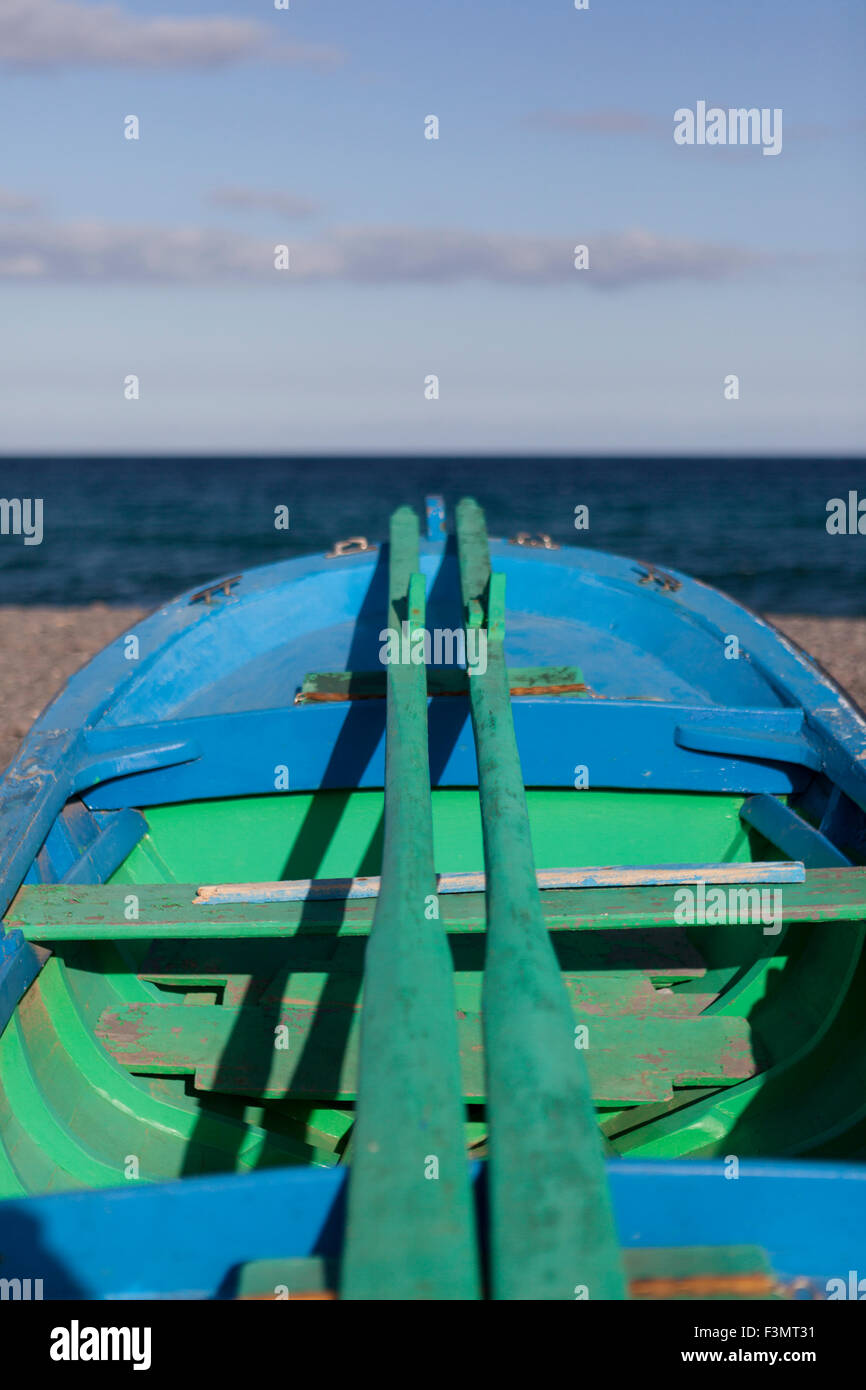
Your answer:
<point x="551" y="1224"/>
<point x="337" y="834"/>
<point x="303" y="1277"/>
<point x="70" y="1117"/>
<point x="326" y="833"/>
<point x="61" y="912"/>
<point x="441" y="680"/>
<point x="635" y="1055"/>
<point x="700" y="1273"/>
<point x="680" y="1272"/>
<point x="808" y="1022"/>
<point x="410" y="1231"/>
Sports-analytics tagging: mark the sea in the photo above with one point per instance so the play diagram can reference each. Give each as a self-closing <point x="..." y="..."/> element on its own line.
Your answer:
<point x="137" y="531"/>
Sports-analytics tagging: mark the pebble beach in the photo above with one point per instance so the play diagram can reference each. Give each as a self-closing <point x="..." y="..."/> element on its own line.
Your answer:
<point x="43" y="646"/>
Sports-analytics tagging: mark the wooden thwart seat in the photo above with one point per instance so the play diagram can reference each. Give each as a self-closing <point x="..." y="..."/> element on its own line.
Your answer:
<point x="683" y="1272"/>
<point x="330" y="687"/>
<point x="634" y="1058"/>
<point x="92" y="912"/>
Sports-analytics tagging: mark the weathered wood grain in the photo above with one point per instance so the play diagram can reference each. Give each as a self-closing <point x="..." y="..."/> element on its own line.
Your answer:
<point x="551" y="1224"/>
<point x="166" y="912"/>
<point x="410" y="1231"/>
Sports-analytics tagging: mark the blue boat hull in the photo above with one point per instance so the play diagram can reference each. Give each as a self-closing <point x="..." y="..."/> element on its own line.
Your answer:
<point x="687" y="692"/>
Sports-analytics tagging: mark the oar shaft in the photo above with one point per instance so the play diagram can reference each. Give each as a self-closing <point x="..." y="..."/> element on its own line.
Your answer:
<point x="411" y="1229"/>
<point x="552" y="1232"/>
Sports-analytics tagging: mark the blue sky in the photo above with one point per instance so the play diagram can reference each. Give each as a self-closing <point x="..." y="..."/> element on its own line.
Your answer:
<point x="412" y="257"/>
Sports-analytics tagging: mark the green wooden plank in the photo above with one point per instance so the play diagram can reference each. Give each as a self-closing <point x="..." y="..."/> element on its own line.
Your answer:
<point x="298" y="1278"/>
<point x="634" y="1058"/>
<point x="321" y="686"/>
<point x="552" y="1226"/>
<point x="700" y="1272"/>
<point x="410" y="1231"/>
<point x="63" y="912"/>
<point x="671" y="1272"/>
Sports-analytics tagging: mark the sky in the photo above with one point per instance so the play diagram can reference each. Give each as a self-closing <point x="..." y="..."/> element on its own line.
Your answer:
<point x="411" y="258"/>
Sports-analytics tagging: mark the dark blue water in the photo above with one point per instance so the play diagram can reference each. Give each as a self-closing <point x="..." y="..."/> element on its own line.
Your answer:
<point x="140" y="530"/>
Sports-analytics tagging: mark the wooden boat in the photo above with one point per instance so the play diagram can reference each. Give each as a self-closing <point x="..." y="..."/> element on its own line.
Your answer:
<point x="601" y="890"/>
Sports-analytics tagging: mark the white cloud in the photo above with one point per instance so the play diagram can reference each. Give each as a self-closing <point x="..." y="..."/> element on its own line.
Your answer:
<point x="11" y="201"/>
<point x="55" y="33"/>
<point x="260" y="200"/>
<point x="105" y="252"/>
<point x="21" y="267"/>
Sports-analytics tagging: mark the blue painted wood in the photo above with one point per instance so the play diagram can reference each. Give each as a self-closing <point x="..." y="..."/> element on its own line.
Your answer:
<point x="110" y="753"/>
<point x="652" y="657"/>
<point x="729" y="737"/>
<point x="622" y="744"/>
<point x="118" y="832"/>
<point x="20" y="963"/>
<point x="51" y="767"/>
<point x="32" y="794"/>
<point x="43" y="775"/>
<point x="79" y="1243"/>
<point x="783" y="827"/>
<point x="71" y="835"/>
<point x="666" y="646"/>
<point x="655" y="661"/>
<point x="844" y="824"/>
<point x="435" y="509"/>
<point x="84" y="846"/>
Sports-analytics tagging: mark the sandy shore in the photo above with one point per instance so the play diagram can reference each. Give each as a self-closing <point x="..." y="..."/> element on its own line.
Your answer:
<point x="41" y="647"/>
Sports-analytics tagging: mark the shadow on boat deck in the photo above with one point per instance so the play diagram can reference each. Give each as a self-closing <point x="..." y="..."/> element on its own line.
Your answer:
<point x="353" y="751"/>
<point x="29" y="1270"/>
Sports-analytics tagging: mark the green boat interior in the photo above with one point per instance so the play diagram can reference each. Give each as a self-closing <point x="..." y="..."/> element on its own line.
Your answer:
<point x="169" y="1054"/>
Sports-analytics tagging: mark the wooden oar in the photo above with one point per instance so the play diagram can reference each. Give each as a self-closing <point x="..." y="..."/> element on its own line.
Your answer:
<point x="411" y="1227"/>
<point x="552" y="1232"/>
